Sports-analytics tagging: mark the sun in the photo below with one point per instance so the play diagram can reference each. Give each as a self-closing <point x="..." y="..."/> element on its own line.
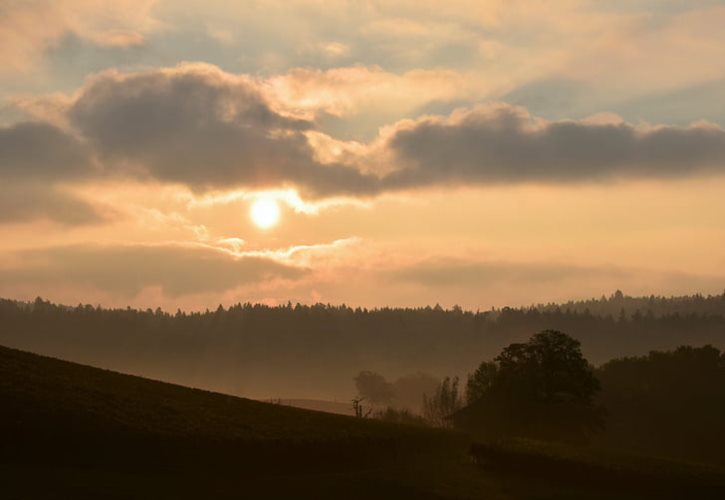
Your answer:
<point x="265" y="213"/>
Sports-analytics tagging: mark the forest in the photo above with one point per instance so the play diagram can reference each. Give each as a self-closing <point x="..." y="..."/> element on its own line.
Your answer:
<point x="667" y="403"/>
<point x="315" y="351"/>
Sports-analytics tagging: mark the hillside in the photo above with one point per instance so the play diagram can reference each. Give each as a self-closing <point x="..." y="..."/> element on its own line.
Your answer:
<point x="72" y="431"/>
<point x="104" y="434"/>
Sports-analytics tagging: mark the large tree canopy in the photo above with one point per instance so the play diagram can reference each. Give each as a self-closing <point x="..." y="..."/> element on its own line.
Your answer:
<point x="541" y="388"/>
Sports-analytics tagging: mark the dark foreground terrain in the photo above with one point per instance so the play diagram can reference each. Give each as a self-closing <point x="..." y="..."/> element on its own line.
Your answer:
<point x="72" y="431"/>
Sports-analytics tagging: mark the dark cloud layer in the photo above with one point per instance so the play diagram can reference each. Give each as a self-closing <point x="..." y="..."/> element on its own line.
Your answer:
<point x="476" y="276"/>
<point x="502" y="143"/>
<point x="436" y="273"/>
<point x="41" y="151"/>
<point x="204" y="128"/>
<point x="22" y="202"/>
<point x="34" y="159"/>
<point x="127" y="270"/>
<point x="199" y="126"/>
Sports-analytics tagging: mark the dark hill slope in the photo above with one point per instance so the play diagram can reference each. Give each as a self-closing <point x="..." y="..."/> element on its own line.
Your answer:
<point x="68" y="430"/>
<point x="39" y="390"/>
<point x="72" y="431"/>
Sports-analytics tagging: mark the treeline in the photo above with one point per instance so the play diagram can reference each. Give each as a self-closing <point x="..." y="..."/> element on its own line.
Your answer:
<point x="667" y="403"/>
<point x="619" y="304"/>
<point x="314" y="351"/>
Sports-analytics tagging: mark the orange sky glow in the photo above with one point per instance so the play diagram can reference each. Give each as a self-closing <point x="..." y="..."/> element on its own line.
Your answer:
<point x="187" y="154"/>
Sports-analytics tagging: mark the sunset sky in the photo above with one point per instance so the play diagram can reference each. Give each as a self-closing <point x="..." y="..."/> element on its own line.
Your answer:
<point x="481" y="153"/>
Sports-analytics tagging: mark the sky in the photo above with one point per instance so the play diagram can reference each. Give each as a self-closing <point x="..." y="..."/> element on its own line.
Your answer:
<point x="482" y="153"/>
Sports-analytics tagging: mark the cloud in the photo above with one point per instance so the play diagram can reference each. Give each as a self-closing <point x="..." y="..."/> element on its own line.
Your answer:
<point x="643" y="50"/>
<point x="25" y="202"/>
<point x="208" y="129"/>
<point x="36" y="150"/>
<point x="176" y="269"/>
<point x="216" y="132"/>
<point x="499" y="143"/>
<point x="444" y="272"/>
<point x="479" y="282"/>
<point x="354" y="89"/>
<point x="193" y="125"/>
<point x="199" y="126"/>
<point x="29" y="28"/>
<point x="35" y="160"/>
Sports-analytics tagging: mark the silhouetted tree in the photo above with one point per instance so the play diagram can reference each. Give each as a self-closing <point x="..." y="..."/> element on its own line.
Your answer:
<point x="444" y="402"/>
<point x="548" y="367"/>
<point x="373" y="387"/>
<point x="678" y="396"/>
<point x="359" y="409"/>
<point x="481" y="381"/>
<point x="541" y="388"/>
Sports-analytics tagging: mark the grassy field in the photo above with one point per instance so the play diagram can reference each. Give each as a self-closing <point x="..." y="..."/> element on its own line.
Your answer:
<point x="336" y="407"/>
<point x="92" y="433"/>
<point x="559" y="471"/>
<point x="72" y="431"/>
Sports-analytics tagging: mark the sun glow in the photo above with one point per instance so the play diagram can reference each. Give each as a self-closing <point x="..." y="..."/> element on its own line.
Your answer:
<point x="265" y="213"/>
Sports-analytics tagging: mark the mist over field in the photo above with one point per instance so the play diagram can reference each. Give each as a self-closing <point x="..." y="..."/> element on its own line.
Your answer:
<point x="313" y="352"/>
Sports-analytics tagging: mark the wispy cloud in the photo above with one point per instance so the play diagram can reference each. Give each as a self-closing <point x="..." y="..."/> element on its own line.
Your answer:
<point x="28" y="29"/>
<point x="126" y="270"/>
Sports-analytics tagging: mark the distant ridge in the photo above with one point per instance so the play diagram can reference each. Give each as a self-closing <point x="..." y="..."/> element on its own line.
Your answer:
<point x="612" y="304"/>
<point x="618" y="303"/>
<point x="314" y="351"/>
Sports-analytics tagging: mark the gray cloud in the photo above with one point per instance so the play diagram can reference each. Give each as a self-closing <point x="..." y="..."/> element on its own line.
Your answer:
<point x="208" y="129"/>
<point x="464" y="273"/>
<point x="199" y="126"/>
<point x="202" y="127"/>
<point x="34" y="150"/>
<point x="22" y="202"/>
<point x="34" y="158"/>
<point x="542" y="278"/>
<point x="194" y="125"/>
<point x="127" y="270"/>
<point x="502" y="143"/>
